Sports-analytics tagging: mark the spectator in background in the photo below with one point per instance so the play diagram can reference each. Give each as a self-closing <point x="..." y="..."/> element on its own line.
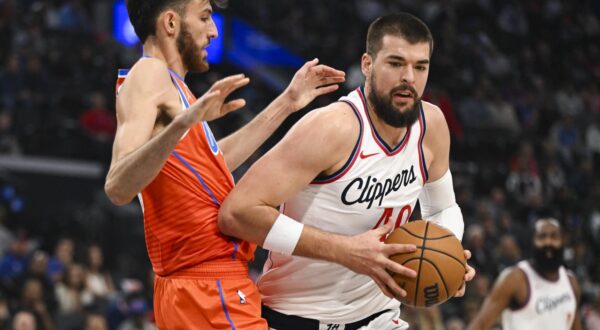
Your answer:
<point x="32" y="299"/>
<point x="98" y="281"/>
<point x="97" y="121"/>
<point x="6" y="236"/>
<point x="72" y="294"/>
<point x="565" y="135"/>
<point x="38" y="264"/>
<point x="9" y="145"/>
<point x="95" y="322"/>
<point x="14" y="263"/>
<point x="4" y="312"/>
<point x="25" y="320"/>
<point x="63" y="258"/>
<point x="137" y="319"/>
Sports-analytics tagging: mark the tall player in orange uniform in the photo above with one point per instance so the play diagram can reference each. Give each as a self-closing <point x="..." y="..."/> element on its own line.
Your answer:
<point x="165" y="153"/>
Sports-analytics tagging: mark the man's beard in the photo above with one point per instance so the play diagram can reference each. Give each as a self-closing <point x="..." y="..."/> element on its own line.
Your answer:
<point x="383" y="107"/>
<point x="191" y="54"/>
<point x="548" y="258"/>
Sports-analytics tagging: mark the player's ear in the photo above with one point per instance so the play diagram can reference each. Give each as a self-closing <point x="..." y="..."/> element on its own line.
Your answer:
<point x="169" y="21"/>
<point x="366" y="63"/>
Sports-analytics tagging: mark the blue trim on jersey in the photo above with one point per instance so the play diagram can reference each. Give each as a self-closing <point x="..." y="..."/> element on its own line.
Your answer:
<point x="180" y="91"/>
<point x="224" y="306"/>
<point x="178" y="76"/>
<point x="381" y="141"/>
<point x="421" y="142"/>
<point x="122" y="72"/>
<point x="235" y="249"/>
<point x="354" y="150"/>
<point x="210" y="193"/>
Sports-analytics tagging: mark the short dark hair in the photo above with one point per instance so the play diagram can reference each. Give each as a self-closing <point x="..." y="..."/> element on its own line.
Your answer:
<point x="403" y="25"/>
<point x="144" y="13"/>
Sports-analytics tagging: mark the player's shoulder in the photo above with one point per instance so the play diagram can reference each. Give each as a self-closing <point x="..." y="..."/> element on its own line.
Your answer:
<point x="512" y="276"/>
<point x="148" y="74"/>
<point x="338" y="118"/>
<point x="434" y="117"/>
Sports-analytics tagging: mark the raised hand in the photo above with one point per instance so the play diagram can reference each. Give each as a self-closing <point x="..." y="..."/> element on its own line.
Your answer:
<point x="468" y="276"/>
<point x="312" y="80"/>
<point x="368" y="255"/>
<point x="211" y="105"/>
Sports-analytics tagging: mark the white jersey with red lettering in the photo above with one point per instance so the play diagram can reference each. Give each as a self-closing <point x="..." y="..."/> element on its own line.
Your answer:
<point x="377" y="184"/>
<point x="550" y="305"/>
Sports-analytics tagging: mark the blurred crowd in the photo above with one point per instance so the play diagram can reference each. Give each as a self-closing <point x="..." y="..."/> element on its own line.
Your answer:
<point x="518" y="82"/>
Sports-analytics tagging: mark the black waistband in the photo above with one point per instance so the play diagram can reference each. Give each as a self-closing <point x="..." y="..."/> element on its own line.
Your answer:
<point x="280" y="321"/>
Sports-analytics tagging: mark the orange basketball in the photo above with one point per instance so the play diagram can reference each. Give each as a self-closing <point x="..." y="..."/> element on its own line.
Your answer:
<point x="439" y="262"/>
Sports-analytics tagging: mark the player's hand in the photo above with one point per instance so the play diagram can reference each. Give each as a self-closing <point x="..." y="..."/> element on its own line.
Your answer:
<point x="211" y="105"/>
<point x="368" y="255"/>
<point x="310" y="81"/>
<point x="470" y="273"/>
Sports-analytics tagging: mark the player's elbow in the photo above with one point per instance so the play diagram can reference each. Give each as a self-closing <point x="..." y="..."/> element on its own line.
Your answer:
<point x="230" y="219"/>
<point x="115" y="195"/>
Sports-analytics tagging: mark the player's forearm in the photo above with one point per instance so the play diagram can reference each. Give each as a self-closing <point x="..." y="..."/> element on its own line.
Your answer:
<point x="239" y="146"/>
<point x="130" y="174"/>
<point x="254" y="223"/>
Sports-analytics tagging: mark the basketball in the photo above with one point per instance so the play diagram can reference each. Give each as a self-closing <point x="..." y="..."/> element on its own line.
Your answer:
<point x="439" y="262"/>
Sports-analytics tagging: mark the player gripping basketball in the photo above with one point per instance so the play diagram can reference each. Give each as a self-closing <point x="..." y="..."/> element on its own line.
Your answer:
<point x="355" y="165"/>
<point x="165" y="153"/>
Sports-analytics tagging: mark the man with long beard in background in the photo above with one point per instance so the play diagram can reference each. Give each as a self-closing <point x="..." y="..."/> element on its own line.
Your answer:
<point x="536" y="294"/>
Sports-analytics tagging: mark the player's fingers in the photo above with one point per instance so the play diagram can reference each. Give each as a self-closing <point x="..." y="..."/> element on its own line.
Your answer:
<point x="227" y="81"/>
<point x="396" y="248"/>
<point x="233" y="105"/>
<point x="209" y="97"/>
<point x="325" y="71"/>
<point x="236" y="84"/>
<point x="309" y="65"/>
<point x="387" y="228"/>
<point x="327" y="89"/>
<point x="461" y="291"/>
<point x="391" y="285"/>
<point x="382" y="287"/>
<point x="467" y="254"/>
<point x="470" y="274"/>
<point x="330" y="80"/>
<point x="397" y="268"/>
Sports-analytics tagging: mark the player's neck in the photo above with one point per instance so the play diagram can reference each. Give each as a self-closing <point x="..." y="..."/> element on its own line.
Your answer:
<point x="390" y="134"/>
<point x="166" y="52"/>
<point x="551" y="276"/>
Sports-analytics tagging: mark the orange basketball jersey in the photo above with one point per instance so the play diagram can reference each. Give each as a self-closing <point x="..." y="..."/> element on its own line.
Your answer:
<point x="181" y="204"/>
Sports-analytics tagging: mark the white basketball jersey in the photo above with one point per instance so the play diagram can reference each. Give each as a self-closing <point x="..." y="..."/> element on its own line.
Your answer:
<point x="377" y="184"/>
<point x="551" y="305"/>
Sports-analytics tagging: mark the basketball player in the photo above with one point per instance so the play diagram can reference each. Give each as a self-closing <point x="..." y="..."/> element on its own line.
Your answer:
<point x="537" y="294"/>
<point x="345" y="175"/>
<point x="165" y="153"/>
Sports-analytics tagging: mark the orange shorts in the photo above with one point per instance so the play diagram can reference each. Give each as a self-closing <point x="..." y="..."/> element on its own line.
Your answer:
<point x="215" y="295"/>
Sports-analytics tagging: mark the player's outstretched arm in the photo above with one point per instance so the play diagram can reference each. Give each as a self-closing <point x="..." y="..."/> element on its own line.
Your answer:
<point x="510" y="284"/>
<point x="320" y="142"/>
<point x="138" y="151"/>
<point x="310" y="81"/>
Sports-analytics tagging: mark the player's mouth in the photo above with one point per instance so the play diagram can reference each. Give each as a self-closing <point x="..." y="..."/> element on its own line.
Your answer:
<point x="404" y="96"/>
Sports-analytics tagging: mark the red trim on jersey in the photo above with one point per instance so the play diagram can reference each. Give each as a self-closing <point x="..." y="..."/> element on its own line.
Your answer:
<point x="420" y="147"/>
<point x="355" y="152"/>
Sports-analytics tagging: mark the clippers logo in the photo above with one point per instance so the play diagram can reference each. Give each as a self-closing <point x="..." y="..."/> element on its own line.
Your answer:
<point x="369" y="190"/>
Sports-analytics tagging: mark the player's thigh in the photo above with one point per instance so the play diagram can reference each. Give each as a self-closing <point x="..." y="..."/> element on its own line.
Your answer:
<point x="207" y="304"/>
